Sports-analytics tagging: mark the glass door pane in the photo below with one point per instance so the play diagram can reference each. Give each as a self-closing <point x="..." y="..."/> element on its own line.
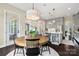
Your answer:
<point x="12" y="27"/>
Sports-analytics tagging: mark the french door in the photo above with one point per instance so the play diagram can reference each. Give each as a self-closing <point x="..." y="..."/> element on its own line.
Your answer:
<point x="12" y="27"/>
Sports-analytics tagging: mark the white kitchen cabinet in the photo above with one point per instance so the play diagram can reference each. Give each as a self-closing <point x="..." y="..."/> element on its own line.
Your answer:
<point x="55" y="37"/>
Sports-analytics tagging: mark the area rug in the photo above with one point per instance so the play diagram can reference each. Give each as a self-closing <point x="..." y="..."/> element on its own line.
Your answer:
<point x="45" y="53"/>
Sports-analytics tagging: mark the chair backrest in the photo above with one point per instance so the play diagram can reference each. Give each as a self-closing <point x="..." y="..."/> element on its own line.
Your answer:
<point x="32" y="43"/>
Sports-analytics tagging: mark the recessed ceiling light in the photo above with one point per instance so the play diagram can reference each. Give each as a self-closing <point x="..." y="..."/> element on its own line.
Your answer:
<point x="53" y="21"/>
<point x="69" y="8"/>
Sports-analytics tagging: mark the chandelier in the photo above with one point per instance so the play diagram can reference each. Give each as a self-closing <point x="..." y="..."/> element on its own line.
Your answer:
<point x="32" y="14"/>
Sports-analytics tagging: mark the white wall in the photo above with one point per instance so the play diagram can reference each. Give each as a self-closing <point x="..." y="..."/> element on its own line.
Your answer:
<point x="6" y="7"/>
<point x="76" y="22"/>
<point x="1" y="27"/>
<point x="68" y="21"/>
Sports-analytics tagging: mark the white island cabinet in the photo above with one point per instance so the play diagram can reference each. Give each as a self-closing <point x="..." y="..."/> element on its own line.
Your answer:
<point x="55" y="37"/>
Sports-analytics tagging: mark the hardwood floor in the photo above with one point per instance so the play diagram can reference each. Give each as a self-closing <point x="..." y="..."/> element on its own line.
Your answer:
<point x="5" y="50"/>
<point x="62" y="49"/>
<point x="65" y="50"/>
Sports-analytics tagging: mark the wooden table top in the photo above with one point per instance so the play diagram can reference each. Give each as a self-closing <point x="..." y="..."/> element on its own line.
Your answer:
<point x="21" y="41"/>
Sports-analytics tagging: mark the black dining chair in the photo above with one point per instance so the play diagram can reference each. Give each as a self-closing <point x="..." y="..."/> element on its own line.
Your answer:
<point x="44" y="48"/>
<point x="17" y="48"/>
<point x="32" y="47"/>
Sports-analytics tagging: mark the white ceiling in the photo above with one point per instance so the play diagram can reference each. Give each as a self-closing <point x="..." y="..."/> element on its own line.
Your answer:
<point x="61" y="9"/>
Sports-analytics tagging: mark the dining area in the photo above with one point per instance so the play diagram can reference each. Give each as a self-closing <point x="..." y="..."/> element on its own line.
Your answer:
<point x="28" y="31"/>
<point x="31" y="46"/>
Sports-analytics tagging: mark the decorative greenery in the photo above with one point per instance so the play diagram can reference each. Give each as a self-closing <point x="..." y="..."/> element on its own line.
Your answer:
<point x="32" y="33"/>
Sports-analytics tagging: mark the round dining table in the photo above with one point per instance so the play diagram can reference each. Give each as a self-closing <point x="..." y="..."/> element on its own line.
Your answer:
<point x="21" y="41"/>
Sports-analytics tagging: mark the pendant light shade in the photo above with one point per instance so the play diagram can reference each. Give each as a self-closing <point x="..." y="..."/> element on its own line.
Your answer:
<point x="32" y="14"/>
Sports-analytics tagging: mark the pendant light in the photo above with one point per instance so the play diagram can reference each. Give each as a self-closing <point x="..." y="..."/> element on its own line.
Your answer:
<point x="53" y="15"/>
<point x="32" y="14"/>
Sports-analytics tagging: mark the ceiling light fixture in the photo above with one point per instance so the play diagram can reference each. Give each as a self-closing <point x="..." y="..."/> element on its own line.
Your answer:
<point x="53" y="21"/>
<point x="69" y="8"/>
<point x="32" y="14"/>
<point x="54" y="15"/>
